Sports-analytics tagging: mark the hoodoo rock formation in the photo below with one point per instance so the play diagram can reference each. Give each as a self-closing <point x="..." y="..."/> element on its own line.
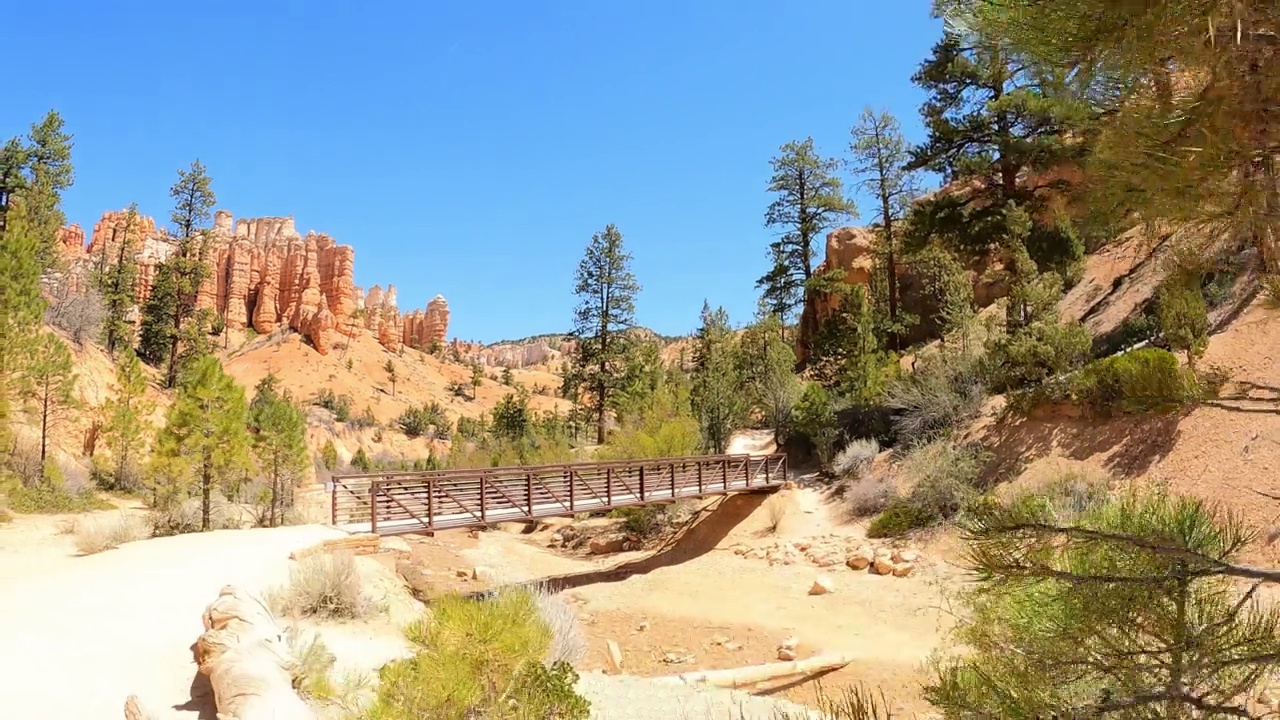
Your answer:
<point x="266" y="275"/>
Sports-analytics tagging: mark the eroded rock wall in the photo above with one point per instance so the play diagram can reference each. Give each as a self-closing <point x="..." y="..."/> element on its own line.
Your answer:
<point x="266" y="275"/>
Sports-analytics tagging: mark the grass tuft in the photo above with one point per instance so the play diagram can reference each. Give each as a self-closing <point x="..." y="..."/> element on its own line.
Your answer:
<point x="99" y="533"/>
<point x="323" y="586"/>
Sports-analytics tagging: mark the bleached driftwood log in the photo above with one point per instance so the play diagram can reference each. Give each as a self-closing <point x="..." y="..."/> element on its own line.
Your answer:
<point x="248" y="661"/>
<point x="755" y="674"/>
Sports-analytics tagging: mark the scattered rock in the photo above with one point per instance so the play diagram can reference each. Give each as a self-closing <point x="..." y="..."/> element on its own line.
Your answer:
<point x="462" y="572"/>
<point x="644" y="625"/>
<point x="861" y="558"/>
<point x="397" y="545"/>
<point x="882" y="566"/>
<point x="734" y="646"/>
<point x="791" y="643"/>
<point x="902" y="569"/>
<point x="786" y="654"/>
<point x="822" y="585"/>
<point x="615" y="654"/>
<point x="605" y="544"/>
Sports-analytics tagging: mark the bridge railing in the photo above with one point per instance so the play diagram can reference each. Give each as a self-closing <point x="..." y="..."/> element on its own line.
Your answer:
<point x="440" y="499"/>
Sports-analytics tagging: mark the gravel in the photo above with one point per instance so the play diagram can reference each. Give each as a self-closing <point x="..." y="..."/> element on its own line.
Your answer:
<point x="621" y="697"/>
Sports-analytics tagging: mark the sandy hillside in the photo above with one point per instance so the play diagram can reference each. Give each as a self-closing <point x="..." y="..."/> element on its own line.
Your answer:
<point x="422" y="378"/>
<point x="1226" y="450"/>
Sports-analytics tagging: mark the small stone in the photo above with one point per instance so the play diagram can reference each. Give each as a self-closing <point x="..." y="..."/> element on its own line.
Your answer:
<point x="605" y="544"/>
<point x="882" y="566"/>
<point x="822" y="585"/>
<point x="791" y="643"/>
<point x="902" y="569"/>
<point x="861" y="558"/>
<point x="786" y="654"/>
<point x="462" y="572"/>
<point x="644" y="625"/>
<point x="719" y="640"/>
<point x="803" y="546"/>
<point x="740" y="550"/>
<point x="732" y="646"/>
<point x="615" y="654"/>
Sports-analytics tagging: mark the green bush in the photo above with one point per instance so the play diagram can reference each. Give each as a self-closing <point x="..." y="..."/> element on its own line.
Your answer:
<point x="944" y="478"/>
<point x="644" y="520"/>
<point x="51" y="497"/>
<point x="429" y="418"/>
<point x="339" y="405"/>
<point x="1036" y="353"/>
<point x="814" y="416"/>
<point x="329" y="456"/>
<point x="360" y="461"/>
<point x="479" y="658"/>
<point x="898" y="519"/>
<point x="1144" y="380"/>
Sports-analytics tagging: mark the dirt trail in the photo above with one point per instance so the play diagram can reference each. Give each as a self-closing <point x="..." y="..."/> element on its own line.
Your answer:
<point x="79" y="634"/>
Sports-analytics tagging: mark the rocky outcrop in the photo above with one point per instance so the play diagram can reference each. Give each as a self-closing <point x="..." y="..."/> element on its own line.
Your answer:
<point x="852" y="250"/>
<point x="266" y="275"/>
<point x="549" y="350"/>
<point x="426" y="328"/>
<point x="70" y="239"/>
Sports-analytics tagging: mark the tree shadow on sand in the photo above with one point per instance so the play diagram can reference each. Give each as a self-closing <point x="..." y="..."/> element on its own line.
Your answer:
<point x="696" y="537"/>
<point x="1126" y="446"/>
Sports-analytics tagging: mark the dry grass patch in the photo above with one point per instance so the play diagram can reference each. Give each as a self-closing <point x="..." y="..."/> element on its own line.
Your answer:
<point x="568" y="644"/>
<point x="776" y="508"/>
<point x="105" y="532"/>
<point x="326" y="586"/>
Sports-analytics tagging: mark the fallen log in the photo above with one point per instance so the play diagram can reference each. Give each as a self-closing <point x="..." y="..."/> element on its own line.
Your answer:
<point x="755" y="674"/>
<point x="248" y="661"/>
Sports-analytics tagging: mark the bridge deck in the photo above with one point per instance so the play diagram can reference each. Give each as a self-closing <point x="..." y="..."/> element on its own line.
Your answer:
<point x="397" y="503"/>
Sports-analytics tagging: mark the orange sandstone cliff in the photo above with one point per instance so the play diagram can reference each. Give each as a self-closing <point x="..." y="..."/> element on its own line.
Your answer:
<point x="266" y="275"/>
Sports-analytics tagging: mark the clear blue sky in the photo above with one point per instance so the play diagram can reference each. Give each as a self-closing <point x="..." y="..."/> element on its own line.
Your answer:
<point x="472" y="148"/>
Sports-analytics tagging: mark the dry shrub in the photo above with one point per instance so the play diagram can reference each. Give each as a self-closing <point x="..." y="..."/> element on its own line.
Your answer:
<point x="944" y="393"/>
<point x="568" y="644"/>
<point x="776" y="507"/>
<point x="106" y="532"/>
<point x="180" y="517"/>
<point x="5" y="516"/>
<point x="943" y="475"/>
<point x="866" y="494"/>
<point x="323" y="586"/>
<point x="852" y="703"/>
<point x="855" y="458"/>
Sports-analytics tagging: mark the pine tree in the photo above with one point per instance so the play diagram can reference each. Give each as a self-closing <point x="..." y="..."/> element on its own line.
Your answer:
<point x="810" y="201"/>
<point x="279" y="443"/>
<point x="1093" y="607"/>
<point x="51" y="386"/>
<point x="716" y="394"/>
<point x="116" y="278"/>
<point x="170" y="317"/>
<point x="880" y="157"/>
<point x="21" y="306"/>
<point x="768" y="368"/>
<point x="392" y="374"/>
<point x="606" y="310"/>
<point x="128" y="420"/>
<point x="204" y="441"/>
<point x="49" y="170"/>
<point x="848" y="358"/>
<point x="994" y="120"/>
<point x="477" y="378"/>
<point x="1185" y="92"/>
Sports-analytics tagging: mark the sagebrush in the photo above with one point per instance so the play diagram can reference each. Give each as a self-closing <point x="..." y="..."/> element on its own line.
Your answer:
<point x="323" y="586"/>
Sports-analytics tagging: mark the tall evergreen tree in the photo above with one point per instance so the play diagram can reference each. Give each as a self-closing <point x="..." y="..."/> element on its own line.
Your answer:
<point x="127" y="425"/>
<point x="170" y="319"/>
<point x="116" y="277"/>
<point x="880" y="158"/>
<point x="994" y="120"/>
<point x="768" y="370"/>
<point x="1186" y="92"/>
<point x="717" y="396"/>
<point x="49" y="170"/>
<point x="51" y="386"/>
<point x="606" y="289"/>
<point x="204" y="441"/>
<point x="280" y="444"/>
<point x="810" y="200"/>
<point x="21" y="306"/>
<point x="848" y="358"/>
